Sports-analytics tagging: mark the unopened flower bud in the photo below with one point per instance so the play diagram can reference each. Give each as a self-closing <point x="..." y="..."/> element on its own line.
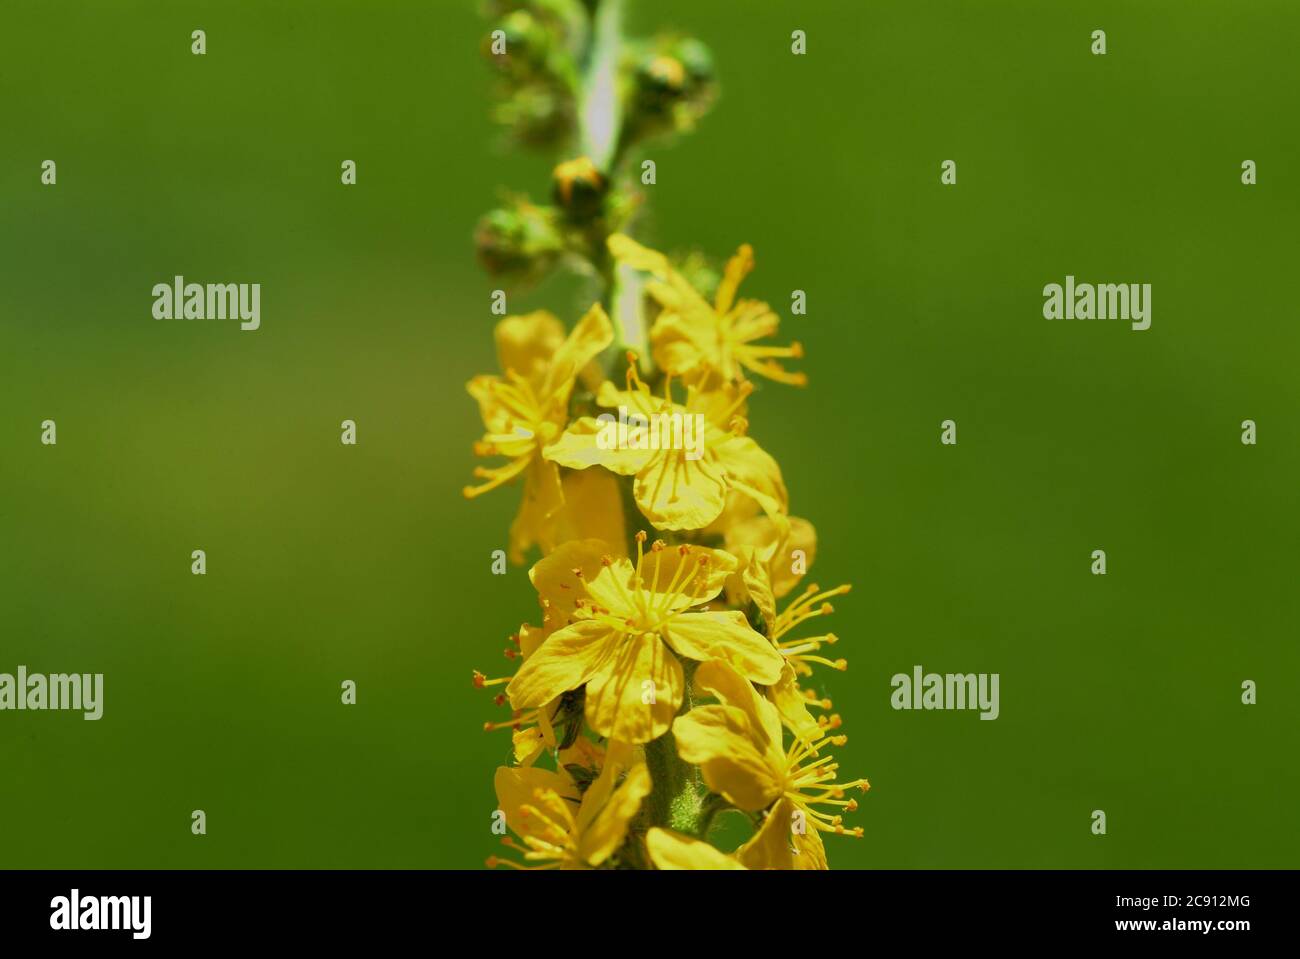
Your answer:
<point x="674" y="85"/>
<point x="696" y="59"/>
<point x="518" y="46"/>
<point x="539" y="115"/>
<point x="579" y="187"/>
<point x="520" y="240"/>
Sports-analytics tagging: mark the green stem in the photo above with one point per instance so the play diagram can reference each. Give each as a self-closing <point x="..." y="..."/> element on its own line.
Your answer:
<point x="599" y="110"/>
<point x="676" y="800"/>
<point x="599" y="122"/>
<point x="627" y="312"/>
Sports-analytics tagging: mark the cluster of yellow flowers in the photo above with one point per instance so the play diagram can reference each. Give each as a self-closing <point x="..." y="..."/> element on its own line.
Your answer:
<point x="663" y="683"/>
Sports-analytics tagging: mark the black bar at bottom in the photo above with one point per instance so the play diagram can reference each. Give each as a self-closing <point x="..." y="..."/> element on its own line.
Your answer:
<point x="1176" y="909"/>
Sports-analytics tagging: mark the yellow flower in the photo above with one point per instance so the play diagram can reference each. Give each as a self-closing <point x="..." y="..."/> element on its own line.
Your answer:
<point x="690" y="335"/>
<point x="767" y="558"/>
<point x="561" y="827"/>
<point x="527" y="409"/>
<point x="738" y="746"/>
<point x="679" y="485"/>
<point x="593" y="510"/>
<point x="619" y="629"/>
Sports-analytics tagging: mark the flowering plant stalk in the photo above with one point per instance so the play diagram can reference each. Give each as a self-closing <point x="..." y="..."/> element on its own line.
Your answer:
<point x="670" y="679"/>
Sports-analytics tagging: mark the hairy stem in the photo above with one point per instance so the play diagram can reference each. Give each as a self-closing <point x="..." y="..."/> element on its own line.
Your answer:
<point x="676" y="800"/>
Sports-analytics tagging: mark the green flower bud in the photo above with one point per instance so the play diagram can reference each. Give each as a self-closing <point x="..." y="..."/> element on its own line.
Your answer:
<point x="697" y="59"/>
<point x="569" y="17"/>
<point x="527" y="44"/>
<point x="520" y="240"/>
<point x="672" y="87"/>
<point x="539" y="115"/>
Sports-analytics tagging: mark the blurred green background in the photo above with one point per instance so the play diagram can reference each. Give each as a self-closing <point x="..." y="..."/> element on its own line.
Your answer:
<point x="328" y="563"/>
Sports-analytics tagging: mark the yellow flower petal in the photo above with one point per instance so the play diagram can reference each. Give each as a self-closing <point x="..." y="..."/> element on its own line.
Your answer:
<point x="516" y="787"/>
<point x="610" y="589"/>
<point x="738" y="267"/>
<point x="718" y="739"/>
<point x="569" y="657"/>
<point x="608" y="829"/>
<point x="730" y="688"/>
<point x="637" y="690"/>
<point x="526" y="343"/>
<point x="592" y="334"/>
<point x="751" y="470"/>
<point x="793" y="707"/>
<point x="739" y="508"/>
<point x="753" y="320"/>
<point x="611" y="397"/>
<point x="720" y="402"/>
<point x="725" y="635"/>
<point x="616" y="760"/>
<point x="751" y="584"/>
<point x="558" y="587"/>
<point x="810" y="851"/>
<point x="679" y="345"/>
<point x="528" y="744"/>
<point x="677" y="493"/>
<point x="496" y="417"/>
<point x="671" y="850"/>
<point x="695" y="573"/>
<point x="672" y="290"/>
<point x="771" y="847"/>
<point x="593" y="509"/>
<point x="588" y="442"/>
<point x="626" y="250"/>
<point x="530" y="637"/>
<point x="534" y="522"/>
<point x="765" y="536"/>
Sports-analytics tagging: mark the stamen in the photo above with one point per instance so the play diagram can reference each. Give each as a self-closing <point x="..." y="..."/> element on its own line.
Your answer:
<point x="662" y="601"/>
<point x="634" y="380"/>
<point x="742" y="394"/>
<point x="497" y="476"/>
<point x="640" y="554"/>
